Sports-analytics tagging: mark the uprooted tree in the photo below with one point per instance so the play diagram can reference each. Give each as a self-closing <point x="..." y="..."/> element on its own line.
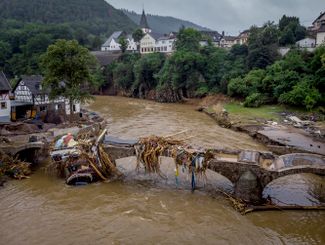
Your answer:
<point x="68" y="68"/>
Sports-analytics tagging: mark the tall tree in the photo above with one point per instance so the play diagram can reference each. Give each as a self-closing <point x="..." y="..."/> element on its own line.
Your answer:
<point x="144" y="71"/>
<point x="286" y="20"/>
<point x="290" y="30"/>
<point x="5" y="52"/>
<point x="137" y="36"/>
<point x="262" y="46"/>
<point x="67" y="69"/>
<point x="188" y="39"/>
<point x="123" y="44"/>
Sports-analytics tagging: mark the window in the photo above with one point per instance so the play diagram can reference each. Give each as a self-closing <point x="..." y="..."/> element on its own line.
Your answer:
<point x="42" y="108"/>
<point x="3" y="105"/>
<point x="58" y="107"/>
<point x="74" y="108"/>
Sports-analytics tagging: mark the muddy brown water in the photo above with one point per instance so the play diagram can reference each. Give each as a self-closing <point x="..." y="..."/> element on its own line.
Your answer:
<point x="146" y="210"/>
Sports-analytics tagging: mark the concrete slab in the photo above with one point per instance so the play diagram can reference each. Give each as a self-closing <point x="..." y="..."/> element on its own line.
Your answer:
<point x="294" y="139"/>
<point x="249" y="157"/>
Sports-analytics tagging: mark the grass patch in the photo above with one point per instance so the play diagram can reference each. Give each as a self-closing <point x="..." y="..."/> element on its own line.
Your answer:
<point x="267" y="112"/>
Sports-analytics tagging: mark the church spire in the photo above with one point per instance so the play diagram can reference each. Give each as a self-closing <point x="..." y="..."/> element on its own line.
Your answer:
<point x="144" y="23"/>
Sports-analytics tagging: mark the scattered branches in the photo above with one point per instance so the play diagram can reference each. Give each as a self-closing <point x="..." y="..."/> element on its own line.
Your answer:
<point x="13" y="167"/>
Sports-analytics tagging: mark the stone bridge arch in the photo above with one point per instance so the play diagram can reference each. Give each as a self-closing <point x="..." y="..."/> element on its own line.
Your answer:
<point x="26" y="152"/>
<point x="293" y="164"/>
<point x="250" y="179"/>
<point x="297" y="163"/>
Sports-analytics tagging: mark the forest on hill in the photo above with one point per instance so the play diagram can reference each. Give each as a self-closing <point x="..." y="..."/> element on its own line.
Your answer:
<point x="27" y="27"/>
<point x="164" y="24"/>
<point x="96" y="16"/>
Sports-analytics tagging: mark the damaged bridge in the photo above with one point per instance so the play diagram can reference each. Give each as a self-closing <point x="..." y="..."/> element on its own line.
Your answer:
<point x="28" y="152"/>
<point x="249" y="171"/>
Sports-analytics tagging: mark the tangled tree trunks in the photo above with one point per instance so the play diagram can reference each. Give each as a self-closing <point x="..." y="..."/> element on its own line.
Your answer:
<point x="150" y="149"/>
<point x="13" y="167"/>
<point x="167" y="94"/>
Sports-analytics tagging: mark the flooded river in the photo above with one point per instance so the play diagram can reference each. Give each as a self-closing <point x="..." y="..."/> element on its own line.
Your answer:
<point x="43" y="210"/>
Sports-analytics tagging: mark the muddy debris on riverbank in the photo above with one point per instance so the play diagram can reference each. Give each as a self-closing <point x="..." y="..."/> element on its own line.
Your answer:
<point x="289" y="135"/>
<point x="13" y="167"/>
<point x="19" y="134"/>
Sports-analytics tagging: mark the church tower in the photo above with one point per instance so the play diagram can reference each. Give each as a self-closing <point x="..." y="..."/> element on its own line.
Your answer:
<point x="144" y="23"/>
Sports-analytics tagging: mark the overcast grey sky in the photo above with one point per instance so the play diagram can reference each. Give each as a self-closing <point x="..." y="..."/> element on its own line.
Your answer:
<point x="229" y="15"/>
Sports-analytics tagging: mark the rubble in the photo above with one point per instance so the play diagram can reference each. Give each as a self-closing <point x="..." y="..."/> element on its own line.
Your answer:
<point x="82" y="160"/>
<point x="13" y="167"/>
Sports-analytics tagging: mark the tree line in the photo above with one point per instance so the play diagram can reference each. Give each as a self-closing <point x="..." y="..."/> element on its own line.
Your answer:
<point x="254" y="72"/>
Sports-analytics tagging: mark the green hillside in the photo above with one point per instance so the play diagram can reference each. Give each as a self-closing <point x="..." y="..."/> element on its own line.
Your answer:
<point x="163" y="24"/>
<point x="97" y="16"/>
<point x="27" y="27"/>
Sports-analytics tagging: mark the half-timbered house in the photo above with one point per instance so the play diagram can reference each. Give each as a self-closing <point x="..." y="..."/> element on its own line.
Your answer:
<point x="5" y="105"/>
<point x="32" y="99"/>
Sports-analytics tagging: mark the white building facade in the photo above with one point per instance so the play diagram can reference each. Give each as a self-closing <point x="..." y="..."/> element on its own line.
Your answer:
<point x="242" y="38"/>
<point x="132" y="45"/>
<point x="30" y="95"/>
<point x="227" y="41"/>
<point x="148" y="44"/>
<point x="165" y="45"/>
<point x="5" y="103"/>
<point x="151" y="43"/>
<point x="320" y="37"/>
<point x="306" y="43"/>
<point x="112" y="43"/>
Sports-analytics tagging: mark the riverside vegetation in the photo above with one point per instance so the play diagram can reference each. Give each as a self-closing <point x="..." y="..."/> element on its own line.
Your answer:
<point x="253" y="72"/>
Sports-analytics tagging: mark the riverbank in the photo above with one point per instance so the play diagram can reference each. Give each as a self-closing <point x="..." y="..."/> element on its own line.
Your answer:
<point x="27" y="143"/>
<point x="282" y="130"/>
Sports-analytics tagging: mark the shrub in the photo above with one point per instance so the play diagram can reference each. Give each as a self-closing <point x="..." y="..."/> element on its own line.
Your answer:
<point x="238" y="87"/>
<point x="255" y="100"/>
<point x="302" y="94"/>
<point x="202" y="91"/>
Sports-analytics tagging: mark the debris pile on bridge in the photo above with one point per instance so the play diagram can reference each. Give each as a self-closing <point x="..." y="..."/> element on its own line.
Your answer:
<point x="13" y="167"/>
<point x="150" y="149"/>
<point x="84" y="161"/>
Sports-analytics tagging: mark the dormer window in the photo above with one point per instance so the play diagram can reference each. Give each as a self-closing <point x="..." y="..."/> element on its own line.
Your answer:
<point x="38" y="86"/>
